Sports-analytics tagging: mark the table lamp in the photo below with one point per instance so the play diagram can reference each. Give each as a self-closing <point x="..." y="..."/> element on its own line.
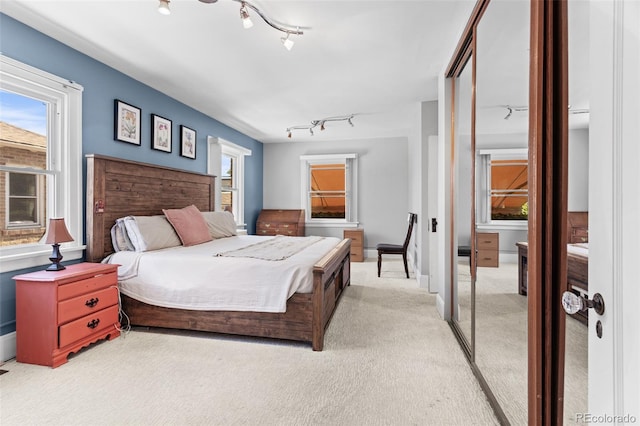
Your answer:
<point x="57" y="234"/>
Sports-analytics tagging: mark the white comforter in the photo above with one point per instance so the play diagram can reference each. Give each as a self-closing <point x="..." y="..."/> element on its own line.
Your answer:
<point x="195" y="278"/>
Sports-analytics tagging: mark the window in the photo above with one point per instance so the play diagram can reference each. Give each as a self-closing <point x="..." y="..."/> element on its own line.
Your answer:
<point x="40" y="163"/>
<point x="26" y="201"/>
<point x="226" y="160"/>
<point x="228" y="183"/>
<point x="329" y="188"/>
<point x="505" y="184"/>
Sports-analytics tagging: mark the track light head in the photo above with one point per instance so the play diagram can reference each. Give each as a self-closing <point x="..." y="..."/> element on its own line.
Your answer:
<point x="311" y="131"/>
<point x="244" y="15"/>
<point x="163" y="7"/>
<point x="289" y="134"/>
<point x="287" y="42"/>
<point x="322" y="125"/>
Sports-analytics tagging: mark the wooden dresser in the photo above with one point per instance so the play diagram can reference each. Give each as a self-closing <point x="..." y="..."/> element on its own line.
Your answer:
<point x="357" y="243"/>
<point x="61" y="312"/>
<point x="280" y="222"/>
<point x="488" y="246"/>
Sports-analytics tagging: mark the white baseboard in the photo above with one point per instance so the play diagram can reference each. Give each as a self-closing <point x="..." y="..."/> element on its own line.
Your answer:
<point x="440" y="306"/>
<point x="423" y="281"/>
<point x="8" y="346"/>
<point x="508" y="257"/>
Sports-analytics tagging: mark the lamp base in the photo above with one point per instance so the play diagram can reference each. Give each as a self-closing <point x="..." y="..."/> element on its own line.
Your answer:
<point x="56" y="267"/>
<point x="55" y="258"/>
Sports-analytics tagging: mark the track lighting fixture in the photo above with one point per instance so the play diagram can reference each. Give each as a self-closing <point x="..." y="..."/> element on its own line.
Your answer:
<point x="244" y="15"/>
<point x="163" y="7"/>
<point x="321" y="123"/>
<point x="512" y="109"/>
<point x="287" y="42"/>
<point x="246" y="19"/>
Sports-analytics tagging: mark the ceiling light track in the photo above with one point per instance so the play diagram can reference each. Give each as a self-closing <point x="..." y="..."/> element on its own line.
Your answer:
<point x="163" y="8"/>
<point x="321" y="123"/>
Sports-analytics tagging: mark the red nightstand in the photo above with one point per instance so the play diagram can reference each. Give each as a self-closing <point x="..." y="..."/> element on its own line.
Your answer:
<point x="61" y="312"/>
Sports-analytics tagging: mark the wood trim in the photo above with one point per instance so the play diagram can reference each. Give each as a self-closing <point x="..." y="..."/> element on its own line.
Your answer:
<point x="548" y="152"/>
<point x="462" y="52"/>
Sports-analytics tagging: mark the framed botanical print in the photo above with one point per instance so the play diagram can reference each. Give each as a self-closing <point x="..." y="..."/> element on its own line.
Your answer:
<point x="160" y="133"/>
<point x="127" y="122"/>
<point x="187" y="142"/>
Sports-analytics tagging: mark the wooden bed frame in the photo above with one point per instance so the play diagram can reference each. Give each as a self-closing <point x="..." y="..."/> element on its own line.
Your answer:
<point x="117" y="188"/>
<point x="577" y="265"/>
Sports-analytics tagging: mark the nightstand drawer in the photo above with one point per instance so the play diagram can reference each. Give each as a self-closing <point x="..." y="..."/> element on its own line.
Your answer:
<point x="86" y="304"/>
<point x="357" y="243"/>
<point x="88" y="285"/>
<point x="487" y="241"/>
<point x="487" y="258"/>
<point x="87" y="325"/>
<point x="356" y="238"/>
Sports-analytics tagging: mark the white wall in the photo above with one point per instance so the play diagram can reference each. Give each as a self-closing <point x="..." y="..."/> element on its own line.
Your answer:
<point x="426" y="125"/>
<point x="383" y="194"/>
<point x="578" y="185"/>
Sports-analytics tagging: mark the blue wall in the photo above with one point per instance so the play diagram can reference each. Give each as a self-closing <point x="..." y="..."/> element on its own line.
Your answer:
<point x="102" y="84"/>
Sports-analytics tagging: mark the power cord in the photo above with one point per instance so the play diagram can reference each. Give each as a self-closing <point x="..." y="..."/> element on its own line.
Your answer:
<point x="122" y="315"/>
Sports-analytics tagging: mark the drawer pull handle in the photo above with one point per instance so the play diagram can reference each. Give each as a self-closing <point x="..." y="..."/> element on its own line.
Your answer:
<point x="93" y="323"/>
<point x="92" y="302"/>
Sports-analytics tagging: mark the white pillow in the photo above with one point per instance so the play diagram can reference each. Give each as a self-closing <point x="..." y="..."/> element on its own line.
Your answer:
<point x="220" y="224"/>
<point x="120" y="238"/>
<point x="151" y="232"/>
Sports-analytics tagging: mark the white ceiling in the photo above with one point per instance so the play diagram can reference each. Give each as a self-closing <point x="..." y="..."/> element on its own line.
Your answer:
<point x="374" y="59"/>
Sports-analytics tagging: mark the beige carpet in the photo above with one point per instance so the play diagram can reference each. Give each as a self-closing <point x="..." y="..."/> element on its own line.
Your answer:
<point x="501" y="346"/>
<point x="388" y="360"/>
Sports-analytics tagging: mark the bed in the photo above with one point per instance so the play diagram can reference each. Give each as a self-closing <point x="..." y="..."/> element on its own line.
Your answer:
<point x="577" y="258"/>
<point x="117" y="188"/>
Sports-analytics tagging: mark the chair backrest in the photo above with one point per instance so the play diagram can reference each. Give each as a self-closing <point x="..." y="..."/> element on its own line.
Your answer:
<point x="412" y="220"/>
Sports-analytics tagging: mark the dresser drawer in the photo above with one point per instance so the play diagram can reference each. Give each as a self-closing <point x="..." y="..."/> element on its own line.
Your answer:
<point x="88" y="285"/>
<point x="487" y="258"/>
<point x="87" y="325"/>
<point x="487" y="241"/>
<point x="86" y="304"/>
<point x="291" y="230"/>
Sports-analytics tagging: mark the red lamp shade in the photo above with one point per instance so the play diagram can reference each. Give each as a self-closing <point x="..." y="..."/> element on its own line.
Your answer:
<point x="57" y="234"/>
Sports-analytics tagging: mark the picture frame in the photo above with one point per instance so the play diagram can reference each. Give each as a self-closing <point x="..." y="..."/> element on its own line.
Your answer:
<point x="161" y="132"/>
<point x="127" y="123"/>
<point x="187" y="142"/>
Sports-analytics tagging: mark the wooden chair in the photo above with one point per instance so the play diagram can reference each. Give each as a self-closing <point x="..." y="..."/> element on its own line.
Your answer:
<point x="385" y="248"/>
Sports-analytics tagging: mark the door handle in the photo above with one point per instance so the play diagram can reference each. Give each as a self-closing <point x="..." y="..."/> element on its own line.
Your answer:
<point x="572" y="303"/>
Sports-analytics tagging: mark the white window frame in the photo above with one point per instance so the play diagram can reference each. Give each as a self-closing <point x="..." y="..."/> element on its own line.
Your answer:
<point x="64" y="160"/>
<point x="351" y="186"/>
<point x="217" y="148"/>
<point x="483" y="178"/>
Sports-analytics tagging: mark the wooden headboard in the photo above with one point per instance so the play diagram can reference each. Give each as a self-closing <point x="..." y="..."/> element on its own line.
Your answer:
<point x="577" y="227"/>
<point x="118" y="188"/>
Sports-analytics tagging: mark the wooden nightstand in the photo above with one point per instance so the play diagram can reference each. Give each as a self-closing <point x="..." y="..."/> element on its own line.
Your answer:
<point x="488" y="244"/>
<point x="61" y="312"/>
<point x="357" y="243"/>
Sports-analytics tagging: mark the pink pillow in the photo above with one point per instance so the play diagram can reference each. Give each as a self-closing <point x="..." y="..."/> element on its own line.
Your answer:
<point x="189" y="225"/>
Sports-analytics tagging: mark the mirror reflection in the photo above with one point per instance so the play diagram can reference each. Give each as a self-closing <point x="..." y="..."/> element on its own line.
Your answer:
<point x="576" y="341"/>
<point x="502" y="120"/>
<point x="463" y="194"/>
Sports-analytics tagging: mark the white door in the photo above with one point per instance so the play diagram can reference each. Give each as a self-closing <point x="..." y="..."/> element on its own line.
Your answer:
<point x="614" y="211"/>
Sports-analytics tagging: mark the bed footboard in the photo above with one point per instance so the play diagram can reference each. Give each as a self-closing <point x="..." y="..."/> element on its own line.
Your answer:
<point x="330" y="277"/>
